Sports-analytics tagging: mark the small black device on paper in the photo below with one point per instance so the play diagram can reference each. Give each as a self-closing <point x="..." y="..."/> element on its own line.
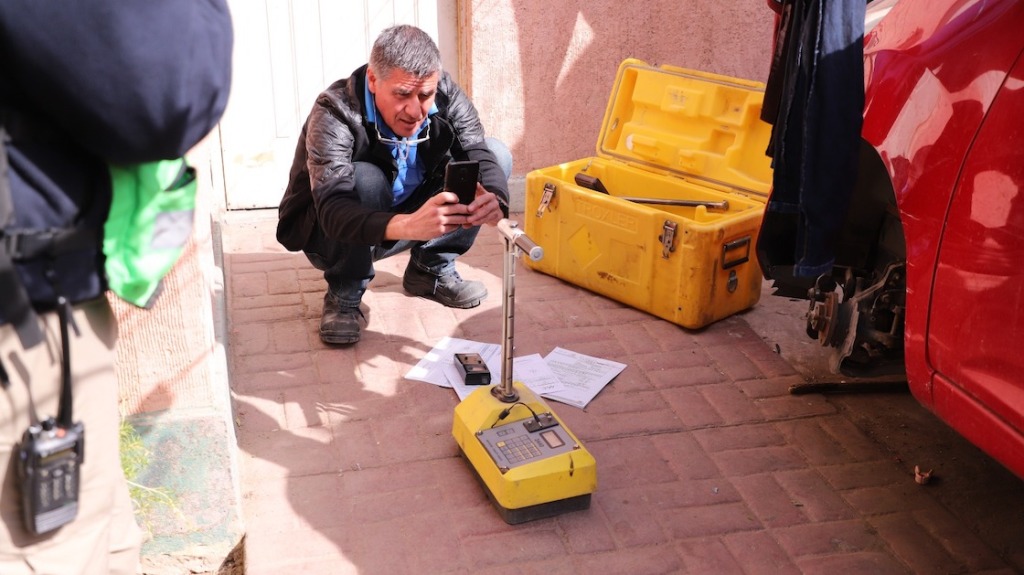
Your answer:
<point x="460" y="178"/>
<point x="473" y="369"/>
<point x="49" y="459"/>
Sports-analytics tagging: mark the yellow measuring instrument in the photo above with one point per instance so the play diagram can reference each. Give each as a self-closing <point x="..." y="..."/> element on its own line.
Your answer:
<point x="528" y="461"/>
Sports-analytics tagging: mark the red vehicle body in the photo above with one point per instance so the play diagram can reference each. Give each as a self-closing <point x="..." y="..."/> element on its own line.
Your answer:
<point x="930" y="273"/>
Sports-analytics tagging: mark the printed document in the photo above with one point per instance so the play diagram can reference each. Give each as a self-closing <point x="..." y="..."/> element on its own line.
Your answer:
<point x="582" y="376"/>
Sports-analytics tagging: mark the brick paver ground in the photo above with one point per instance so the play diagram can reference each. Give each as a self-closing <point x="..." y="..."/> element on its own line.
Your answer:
<point x="705" y="462"/>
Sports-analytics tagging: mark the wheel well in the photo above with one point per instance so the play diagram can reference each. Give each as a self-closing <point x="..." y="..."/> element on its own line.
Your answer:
<point x="858" y="310"/>
<point x="872" y="235"/>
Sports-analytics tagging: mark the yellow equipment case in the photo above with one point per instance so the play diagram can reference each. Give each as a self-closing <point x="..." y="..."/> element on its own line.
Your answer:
<point x="665" y="217"/>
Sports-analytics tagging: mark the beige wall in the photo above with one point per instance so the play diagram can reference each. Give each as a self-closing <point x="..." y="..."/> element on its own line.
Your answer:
<point x="169" y="356"/>
<point x="541" y="71"/>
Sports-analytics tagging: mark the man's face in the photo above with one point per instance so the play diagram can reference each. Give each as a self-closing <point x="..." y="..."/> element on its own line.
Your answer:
<point x="403" y="99"/>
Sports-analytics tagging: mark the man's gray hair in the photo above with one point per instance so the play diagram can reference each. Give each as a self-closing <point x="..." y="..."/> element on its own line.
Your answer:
<point x="405" y="48"/>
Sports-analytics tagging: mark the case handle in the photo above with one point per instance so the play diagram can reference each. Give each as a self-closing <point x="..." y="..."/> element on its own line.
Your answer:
<point x="738" y="250"/>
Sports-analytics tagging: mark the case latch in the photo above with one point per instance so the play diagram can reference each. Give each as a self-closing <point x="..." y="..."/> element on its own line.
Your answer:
<point x="667" y="238"/>
<point x="545" y="198"/>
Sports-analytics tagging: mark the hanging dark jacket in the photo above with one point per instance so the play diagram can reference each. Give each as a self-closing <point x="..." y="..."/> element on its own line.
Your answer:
<point x="84" y="84"/>
<point x="321" y="188"/>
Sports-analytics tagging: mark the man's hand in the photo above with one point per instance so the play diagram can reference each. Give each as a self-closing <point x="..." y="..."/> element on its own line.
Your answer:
<point x="485" y="209"/>
<point x="441" y="214"/>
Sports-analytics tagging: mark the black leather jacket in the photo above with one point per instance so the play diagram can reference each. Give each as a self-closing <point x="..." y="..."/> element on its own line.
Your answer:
<point x="321" y="187"/>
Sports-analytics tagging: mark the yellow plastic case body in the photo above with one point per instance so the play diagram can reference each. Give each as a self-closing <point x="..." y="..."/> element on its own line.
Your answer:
<point x="668" y="134"/>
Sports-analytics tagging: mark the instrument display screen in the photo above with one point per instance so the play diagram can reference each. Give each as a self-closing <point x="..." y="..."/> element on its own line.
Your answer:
<point x="552" y="439"/>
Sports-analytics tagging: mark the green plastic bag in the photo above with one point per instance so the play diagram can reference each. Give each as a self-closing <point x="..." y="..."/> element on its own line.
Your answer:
<point x="150" y="221"/>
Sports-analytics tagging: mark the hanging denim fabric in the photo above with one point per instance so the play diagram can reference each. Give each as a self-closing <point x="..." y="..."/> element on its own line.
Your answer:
<point x="815" y="100"/>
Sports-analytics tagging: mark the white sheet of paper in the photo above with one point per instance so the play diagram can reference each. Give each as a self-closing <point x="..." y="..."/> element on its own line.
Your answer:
<point x="565" y="376"/>
<point x="535" y="374"/>
<point x="582" y="376"/>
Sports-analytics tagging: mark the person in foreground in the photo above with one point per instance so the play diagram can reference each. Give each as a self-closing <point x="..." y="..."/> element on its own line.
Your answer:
<point x="368" y="175"/>
<point x="83" y="85"/>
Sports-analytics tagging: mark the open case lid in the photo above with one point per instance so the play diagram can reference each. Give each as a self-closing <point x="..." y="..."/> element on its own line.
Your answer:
<point x="691" y="124"/>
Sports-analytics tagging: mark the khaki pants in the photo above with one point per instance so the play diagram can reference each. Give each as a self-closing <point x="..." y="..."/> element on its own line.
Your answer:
<point x="104" y="538"/>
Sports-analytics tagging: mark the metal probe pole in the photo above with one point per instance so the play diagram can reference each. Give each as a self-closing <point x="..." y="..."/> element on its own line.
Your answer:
<point x="515" y="240"/>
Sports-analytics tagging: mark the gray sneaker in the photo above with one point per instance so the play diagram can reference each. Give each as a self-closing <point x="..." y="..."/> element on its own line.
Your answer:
<point x="449" y="290"/>
<point x="339" y="325"/>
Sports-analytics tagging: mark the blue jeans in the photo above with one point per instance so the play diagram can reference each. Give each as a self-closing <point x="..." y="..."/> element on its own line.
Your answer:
<point x="348" y="268"/>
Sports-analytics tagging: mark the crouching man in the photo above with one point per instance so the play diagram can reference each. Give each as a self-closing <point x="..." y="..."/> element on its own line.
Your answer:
<point x="367" y="181"/>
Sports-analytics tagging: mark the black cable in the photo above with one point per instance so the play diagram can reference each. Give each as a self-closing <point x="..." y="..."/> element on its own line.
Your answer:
<point x="505" y="412"/>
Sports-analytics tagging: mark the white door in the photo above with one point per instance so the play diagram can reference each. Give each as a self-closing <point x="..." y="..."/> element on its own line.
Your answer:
<point x="286" y="52"/>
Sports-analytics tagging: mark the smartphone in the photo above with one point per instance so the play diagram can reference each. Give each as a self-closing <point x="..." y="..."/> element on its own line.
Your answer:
<point x="460" y="178"/>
